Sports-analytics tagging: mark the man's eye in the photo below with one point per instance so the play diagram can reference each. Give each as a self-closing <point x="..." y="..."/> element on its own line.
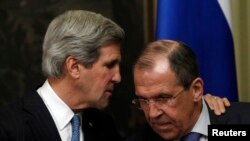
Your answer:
<point x="162" y="99"/>
<point x="111" y="64"/>
<point x="142" y="99"/>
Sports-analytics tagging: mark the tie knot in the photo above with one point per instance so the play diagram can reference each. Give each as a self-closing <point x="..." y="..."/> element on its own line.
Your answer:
<point x="192" y="136"/>
<point x="75" y="120"/>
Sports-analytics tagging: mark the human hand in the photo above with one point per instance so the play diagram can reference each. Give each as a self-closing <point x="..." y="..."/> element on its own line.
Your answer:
<point x="216" y="103"/>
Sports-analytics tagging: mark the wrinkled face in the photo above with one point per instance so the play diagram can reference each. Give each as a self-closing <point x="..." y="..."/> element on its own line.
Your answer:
<point x="97" y="82"/>
<point x="170" y="121"/>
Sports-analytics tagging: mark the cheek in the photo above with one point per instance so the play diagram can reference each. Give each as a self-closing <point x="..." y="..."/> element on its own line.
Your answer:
<point x="105" y="77"/>
<point x="101" y="81"/>
<point x="171" y="113"/>
<point x="186" y="104"/>
<point x="182" y="113"/>
<point x="174" y="114"/>
<point x="100" y="74"/>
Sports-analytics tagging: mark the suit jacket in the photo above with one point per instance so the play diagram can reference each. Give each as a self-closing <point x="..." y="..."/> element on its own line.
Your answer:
<point x="30" y="120"/>
<point x="237" y="113"/>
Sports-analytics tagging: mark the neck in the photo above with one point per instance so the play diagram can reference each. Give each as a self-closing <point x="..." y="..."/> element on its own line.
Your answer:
<point x="67" y="92"/>
<point x="195" y="116"/>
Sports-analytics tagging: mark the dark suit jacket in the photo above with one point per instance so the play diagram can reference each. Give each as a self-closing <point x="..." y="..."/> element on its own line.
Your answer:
<point x="237" y="113"/>
<point x="30" y="120"/>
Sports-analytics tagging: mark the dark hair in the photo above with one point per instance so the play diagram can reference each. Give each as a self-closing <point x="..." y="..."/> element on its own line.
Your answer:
<point x="181" y="58"/>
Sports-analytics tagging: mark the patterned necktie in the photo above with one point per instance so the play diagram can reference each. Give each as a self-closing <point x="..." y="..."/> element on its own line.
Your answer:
<point x="193" y="136"/>
<point x="75" y="122"/>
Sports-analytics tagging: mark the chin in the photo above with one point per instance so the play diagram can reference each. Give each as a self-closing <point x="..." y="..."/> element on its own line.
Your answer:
<point x="167" y="133"/>
<point x="168" y="136"/>
<point x="102" y="105"/>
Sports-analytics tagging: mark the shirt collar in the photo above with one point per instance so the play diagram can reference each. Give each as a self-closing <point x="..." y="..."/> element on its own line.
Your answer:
<point x="201" y="125"/>
<point x="59" y="110"/>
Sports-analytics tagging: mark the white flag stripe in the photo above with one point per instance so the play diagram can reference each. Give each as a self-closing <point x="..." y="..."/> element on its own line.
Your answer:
<point x="226" y="8"/>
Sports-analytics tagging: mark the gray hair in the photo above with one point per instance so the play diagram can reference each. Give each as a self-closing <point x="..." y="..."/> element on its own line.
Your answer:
<point x="80" y="34"/>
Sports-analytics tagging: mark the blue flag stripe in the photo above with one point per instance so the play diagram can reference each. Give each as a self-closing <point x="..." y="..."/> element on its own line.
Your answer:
<point x="202" y="25"/>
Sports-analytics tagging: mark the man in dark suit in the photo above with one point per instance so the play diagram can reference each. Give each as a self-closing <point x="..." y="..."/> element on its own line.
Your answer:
<point x="170" y="90"/>
<point x="81" y="56"/>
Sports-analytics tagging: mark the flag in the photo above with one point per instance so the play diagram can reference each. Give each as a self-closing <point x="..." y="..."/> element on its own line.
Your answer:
<point x="202" y="25"/>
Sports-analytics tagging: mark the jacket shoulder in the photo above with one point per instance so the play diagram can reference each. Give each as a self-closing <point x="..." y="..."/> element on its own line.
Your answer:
<point x="237" y="113"/>
<point x="99" y="125"/>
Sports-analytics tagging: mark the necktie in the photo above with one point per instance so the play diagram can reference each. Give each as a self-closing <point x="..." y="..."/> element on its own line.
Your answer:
<point x="75" y="122"/>
<point x="193" y="136"/>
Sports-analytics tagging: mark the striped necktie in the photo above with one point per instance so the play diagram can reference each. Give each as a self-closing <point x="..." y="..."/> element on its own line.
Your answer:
<point x="75" y="122"/>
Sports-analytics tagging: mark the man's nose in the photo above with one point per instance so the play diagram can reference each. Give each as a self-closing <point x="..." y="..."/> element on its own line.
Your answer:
<point x="117" y="76"/>
<point x="153" y="110"/>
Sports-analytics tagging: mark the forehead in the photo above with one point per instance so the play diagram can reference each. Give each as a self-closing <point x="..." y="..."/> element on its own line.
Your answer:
<point x="110" y="52"/>
<point x="150" y="82"/>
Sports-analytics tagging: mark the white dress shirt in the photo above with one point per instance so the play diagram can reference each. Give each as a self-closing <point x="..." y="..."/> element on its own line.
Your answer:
<point x="201" y="125"/>
<point x="61" y="113"/>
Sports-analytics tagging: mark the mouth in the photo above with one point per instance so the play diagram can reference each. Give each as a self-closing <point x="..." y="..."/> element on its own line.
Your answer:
<point x="108" y="92"/>
<point x="167" y="126"/>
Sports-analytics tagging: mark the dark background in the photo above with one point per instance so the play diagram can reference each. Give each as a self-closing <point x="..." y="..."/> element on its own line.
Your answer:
<point x="23" y="24"/>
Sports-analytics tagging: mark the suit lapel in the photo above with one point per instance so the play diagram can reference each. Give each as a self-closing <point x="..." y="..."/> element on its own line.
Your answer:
<point x="39" y="119"/>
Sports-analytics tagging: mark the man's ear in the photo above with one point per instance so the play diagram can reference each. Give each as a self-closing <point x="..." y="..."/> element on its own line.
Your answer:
<point x="197" y="88"/>
<point x="72" y="67"/>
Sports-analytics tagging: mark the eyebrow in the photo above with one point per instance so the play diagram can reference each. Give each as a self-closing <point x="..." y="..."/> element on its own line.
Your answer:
<point x="114" y="61"/>
<point x="157" y="96"/>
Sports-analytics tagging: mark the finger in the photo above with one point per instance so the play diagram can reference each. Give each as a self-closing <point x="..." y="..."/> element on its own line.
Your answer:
<point x="217" y="109"/>
<point x="209" y="99"/>
<point x="226" y="102"/>
<point x="221" y="105"/>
